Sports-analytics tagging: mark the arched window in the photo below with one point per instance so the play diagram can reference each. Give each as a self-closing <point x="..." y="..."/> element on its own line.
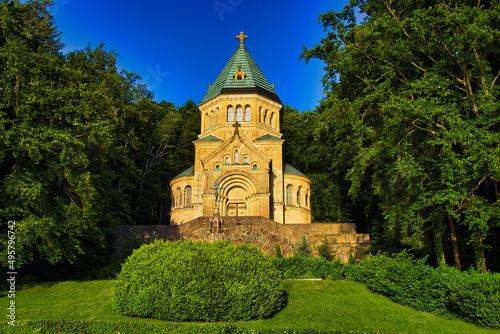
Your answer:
<point x="239" y="114"/>
<point x="260" y="114"/>
<point x="173" y="200"/>
<point x="271" y="119"/>
<point x="245" y="160"/>
<point x="298" y="196"/>
<point x="307" y="199"/>
<point x="187" y="194"/>
<point x="179" y="197"/>
<point x="206" y="121"/>
<point x="236" y="157"/>
<point x="230" y="114"/>
<point x="248" y="115"/>
<point x="289" y="192"/>
<point x="226" y="161"/>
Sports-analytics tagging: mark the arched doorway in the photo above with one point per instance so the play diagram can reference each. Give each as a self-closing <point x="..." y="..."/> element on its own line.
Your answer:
<point x="237" y="197"/>
<point x="237" y="201"/>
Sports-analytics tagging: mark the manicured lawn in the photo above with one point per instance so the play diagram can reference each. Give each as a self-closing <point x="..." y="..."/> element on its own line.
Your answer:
<point x="328" y="305"/>
<point x="89" y="300"/>
<point x="350" y="306"/>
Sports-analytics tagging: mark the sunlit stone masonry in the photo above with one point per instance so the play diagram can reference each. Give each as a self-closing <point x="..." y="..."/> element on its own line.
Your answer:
<point x="239" y="153"/>
<point x="239" y="188"/>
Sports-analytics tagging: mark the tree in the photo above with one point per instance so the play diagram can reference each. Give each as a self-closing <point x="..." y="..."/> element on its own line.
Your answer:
<point x="46" y="186"/>
<point x="278" y="254"/>
<point x="71" y="127"/>
<point x="303" y="248"/>
<point x="412" y="92"/>
<point x="310" y="152"/>
<point x="325" y="249"/>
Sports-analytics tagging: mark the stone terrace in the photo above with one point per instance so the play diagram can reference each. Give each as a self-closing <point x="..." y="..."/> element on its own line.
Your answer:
<point x="259" y="231"/>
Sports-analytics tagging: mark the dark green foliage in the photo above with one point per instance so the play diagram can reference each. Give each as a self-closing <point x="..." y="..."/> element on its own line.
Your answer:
<point x="83" y="147"/>
<point x="100" y="327"/>
<point x="325" y="249"/>
<point x="278" y="253"/>
<point x="403" y="278"/>
<point x="470" y="295"/>
<point x="297" y="266"/>
<point x="303" y="248"/>
<point x="411" y="118"/>
<point x="352" y="260"/>
<point x="195" y="281"/>
<point x="308" y="147"/>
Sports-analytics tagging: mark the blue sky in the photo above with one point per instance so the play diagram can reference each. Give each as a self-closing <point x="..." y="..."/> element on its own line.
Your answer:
<point x="178" y="47"/>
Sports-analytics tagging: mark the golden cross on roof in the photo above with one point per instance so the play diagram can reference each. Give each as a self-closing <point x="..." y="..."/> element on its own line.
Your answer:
<point x="241" y="37"/>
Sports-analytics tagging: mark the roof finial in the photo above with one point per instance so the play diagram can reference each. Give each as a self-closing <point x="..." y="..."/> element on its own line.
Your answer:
<point x="241" y="37"/>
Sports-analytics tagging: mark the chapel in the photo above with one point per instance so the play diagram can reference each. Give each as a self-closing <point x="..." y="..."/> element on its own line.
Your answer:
<point x="239" y="168"/>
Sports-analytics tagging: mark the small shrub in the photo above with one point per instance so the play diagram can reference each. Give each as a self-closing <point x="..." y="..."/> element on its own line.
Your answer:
<point x="278" y="254"/>
<point x="194" y="281"/>
<point x="303" y="248"/>
<point x="325" y="249"/>
<point x="113" y="267"/>
<point x="351" y="260"/>
<point x="310" y="267"/>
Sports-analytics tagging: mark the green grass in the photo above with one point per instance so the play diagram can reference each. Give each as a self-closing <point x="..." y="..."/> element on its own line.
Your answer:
<point x="88" y="300"/>
<point x="350" y="306"/>
<point x="323" y="305"/>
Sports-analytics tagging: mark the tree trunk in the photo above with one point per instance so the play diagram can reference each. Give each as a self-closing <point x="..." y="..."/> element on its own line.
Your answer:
<point x="438" y="246"/>
<point x="479" y="252"/>
<point x="454" y="241"/>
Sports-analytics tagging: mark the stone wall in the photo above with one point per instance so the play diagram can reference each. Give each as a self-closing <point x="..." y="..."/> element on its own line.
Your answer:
<point x="259" y="231"/>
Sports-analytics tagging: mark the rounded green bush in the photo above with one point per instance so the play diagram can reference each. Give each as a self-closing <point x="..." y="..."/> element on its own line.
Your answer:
<point x="195" y="281"/>
<point x="470" y="295"/>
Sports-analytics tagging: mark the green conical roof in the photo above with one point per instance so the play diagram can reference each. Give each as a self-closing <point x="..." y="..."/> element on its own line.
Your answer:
<point x="253" y="82"/>
<point x="290" y="170"/>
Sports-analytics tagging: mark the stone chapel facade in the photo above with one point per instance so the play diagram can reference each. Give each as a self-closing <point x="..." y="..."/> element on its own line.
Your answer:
<point x="239" y="167"/>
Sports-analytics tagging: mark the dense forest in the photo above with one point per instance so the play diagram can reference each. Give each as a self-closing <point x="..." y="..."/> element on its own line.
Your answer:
<point x="405" y="143"/>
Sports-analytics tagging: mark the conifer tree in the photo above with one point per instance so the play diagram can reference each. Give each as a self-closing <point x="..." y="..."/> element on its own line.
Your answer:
<point x="278" y="254"/>
<point x="303" y="248"/>
<point x="325" y="249"/>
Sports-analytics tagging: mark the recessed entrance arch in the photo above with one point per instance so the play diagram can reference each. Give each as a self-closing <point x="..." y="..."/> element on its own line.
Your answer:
<point x="237" y="198"/>
<point x="237" y="201"/>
